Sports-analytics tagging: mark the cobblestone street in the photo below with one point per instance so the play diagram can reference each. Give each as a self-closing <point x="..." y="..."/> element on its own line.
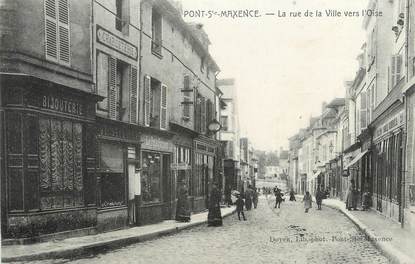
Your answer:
<point x="285" y="235"/>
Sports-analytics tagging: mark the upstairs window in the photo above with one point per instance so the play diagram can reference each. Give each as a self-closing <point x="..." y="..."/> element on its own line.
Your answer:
<point x="200" y="114"/>
<point x="117" y="82"/>
<point x="371" y="53"/>
<point x="57" y="31"/>
<point x="202" y="64"/>
<point x="118" y="15"/>
<point x="155" y="103"/>
<point x="186" y="97"/>
<point x="122" y="16"/>
<point x="363" y="110"/>
<point x="156" y="32"/>
<point x="224" y="122"/>
<point x="396" y="69"/>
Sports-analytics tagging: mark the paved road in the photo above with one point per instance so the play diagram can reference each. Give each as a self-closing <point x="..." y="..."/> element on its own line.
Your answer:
<point x="285" y="235"/>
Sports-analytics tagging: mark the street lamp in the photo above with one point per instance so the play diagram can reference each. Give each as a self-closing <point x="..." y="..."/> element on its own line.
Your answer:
<point x="214" y="126"/>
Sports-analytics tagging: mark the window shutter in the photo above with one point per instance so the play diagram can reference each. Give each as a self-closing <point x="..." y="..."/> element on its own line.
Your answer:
<point x="203" y="115"/>
<point x="112" y="88"/>
<point x="133" y="95"/>
<point x="363" y="109"/>
<point x="147" y="100"/>
<point x="186" y="96"/>
<point x="163" y="107"/>
<point x="197" y="118"/>
<point x="209" y="112"/>
<point x="398" y="68"/>
<point x="51" y="30"/>
<point x="102" y="79"/>
<point x="393" y="71"/>
<point x="64" y="37"/>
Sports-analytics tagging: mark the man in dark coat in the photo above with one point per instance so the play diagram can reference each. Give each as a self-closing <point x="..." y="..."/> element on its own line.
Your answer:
<point x="278" y="197"/>
<point x="319" y="198"/>
<point x="240" y="207"/>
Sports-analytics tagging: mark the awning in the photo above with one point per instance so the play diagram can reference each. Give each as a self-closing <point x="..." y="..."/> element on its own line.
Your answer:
<point x="315" y="175"/>
<point x="356" y="159"/>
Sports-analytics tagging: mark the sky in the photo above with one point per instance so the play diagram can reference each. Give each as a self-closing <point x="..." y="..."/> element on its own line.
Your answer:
<point x="284" y="67"/>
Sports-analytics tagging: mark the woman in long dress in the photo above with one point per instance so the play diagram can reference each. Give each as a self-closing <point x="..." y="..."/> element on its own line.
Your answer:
<point x="307" y="201"/>
<point x="214" y="215"/>
<point x="183" y="206"/>
<point x="248" y="198"/>
<point x="350" y="197"/>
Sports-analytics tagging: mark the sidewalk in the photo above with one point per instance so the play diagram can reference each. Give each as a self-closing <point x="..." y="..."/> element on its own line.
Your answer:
<point x="114" y="239"/>
<point x="400" y="248"/>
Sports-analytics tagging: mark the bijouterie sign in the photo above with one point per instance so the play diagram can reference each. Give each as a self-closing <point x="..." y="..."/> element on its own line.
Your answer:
<point x="62" y="105"/>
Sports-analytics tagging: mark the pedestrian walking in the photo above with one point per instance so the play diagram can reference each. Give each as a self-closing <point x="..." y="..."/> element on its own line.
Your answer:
<point x="183" y="205"/>
<point x="240" y="207"/>
<point x="307" y="201"/>
<point x="351" y="197"/>
<point x="255" y="198"/>
<point x="319" y="198"/>
<point x="278" y="197"/>
<point x="248" y="198"/>
<point x="228" y="195"/>
<point x="292" y="196"/>
<point x="214" y="214"/>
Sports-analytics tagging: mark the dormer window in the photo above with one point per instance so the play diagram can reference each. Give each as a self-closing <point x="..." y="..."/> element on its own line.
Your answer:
<point x="202" y="64"/>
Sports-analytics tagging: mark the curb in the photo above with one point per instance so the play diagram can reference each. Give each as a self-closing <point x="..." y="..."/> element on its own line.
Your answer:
<point x="393" y="254"/>
<point x="108" y="244"/>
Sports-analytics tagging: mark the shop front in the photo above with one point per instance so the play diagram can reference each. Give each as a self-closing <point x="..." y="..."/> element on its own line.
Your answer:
<point x="157" y="180"/>
<point x="48" y="177"/>
<point x="387" y="155"/>
<point x="118" y="174"/>
<point x="203" y="173"/>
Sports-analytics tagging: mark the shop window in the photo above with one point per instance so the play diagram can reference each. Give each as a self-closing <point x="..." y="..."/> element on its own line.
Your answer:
<point x="183" y="158"/>
<point x="151" y="177"/>
<point x="156" y="31"/>
<point x="60" y="156"/>
<point x="112" y="175"/>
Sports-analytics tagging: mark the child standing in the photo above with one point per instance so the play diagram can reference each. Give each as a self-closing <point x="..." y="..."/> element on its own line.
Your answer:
<point x="240" y="207"/>
<point x="307" y="201"/>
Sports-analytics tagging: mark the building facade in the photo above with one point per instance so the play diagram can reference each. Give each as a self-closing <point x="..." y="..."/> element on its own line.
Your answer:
<point x="47" y="108"/>
<point x="103" y="114"/>
<point x="230" y="134"/>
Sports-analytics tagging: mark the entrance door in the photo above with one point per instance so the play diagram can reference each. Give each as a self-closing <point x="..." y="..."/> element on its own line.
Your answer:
<point x="379" y="179"/>
<point x="132" y="187"/>
<point x="167" y="183"/>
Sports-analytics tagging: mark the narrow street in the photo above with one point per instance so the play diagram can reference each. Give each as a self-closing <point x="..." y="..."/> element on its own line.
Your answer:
<point x="264" y="238"/>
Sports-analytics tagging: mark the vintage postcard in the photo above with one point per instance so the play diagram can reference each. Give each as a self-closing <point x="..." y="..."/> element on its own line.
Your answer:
<point x="207" y="131"/>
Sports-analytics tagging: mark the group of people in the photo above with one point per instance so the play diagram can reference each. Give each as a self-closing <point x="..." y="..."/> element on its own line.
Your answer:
<point x="251" y="198"/>
<point x="183" y="205"/>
